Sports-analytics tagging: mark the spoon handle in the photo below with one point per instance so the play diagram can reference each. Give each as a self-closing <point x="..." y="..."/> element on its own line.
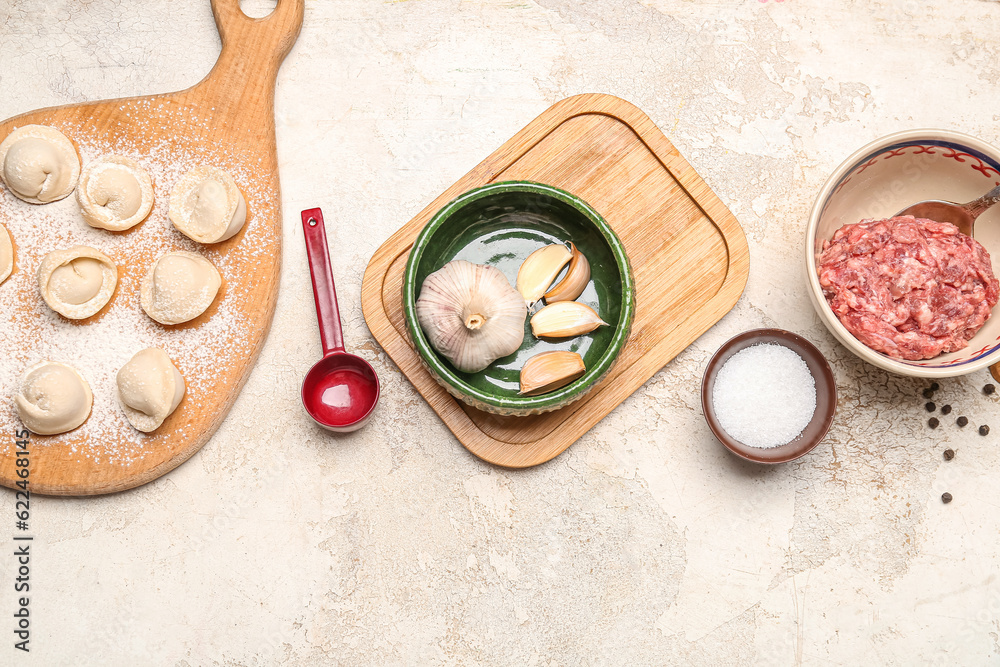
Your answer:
<point x="324" y="291"/>
<point x="979" y="206"/>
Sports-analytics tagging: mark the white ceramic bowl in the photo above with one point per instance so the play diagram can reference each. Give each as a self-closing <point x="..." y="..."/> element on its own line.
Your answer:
<point x="881" y="179"/>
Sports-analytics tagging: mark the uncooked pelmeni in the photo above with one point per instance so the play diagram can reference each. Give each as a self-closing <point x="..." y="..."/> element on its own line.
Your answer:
<point x="179" y="287"/>
<point x="77" y="282"/>
<point x="39" y="164"/>
<point x="6" y="254"/>
<point x="150" y="388"/>
<point x="115" y="193"/>
<point x="207" y="206"/>
<point x="53" y="398"/>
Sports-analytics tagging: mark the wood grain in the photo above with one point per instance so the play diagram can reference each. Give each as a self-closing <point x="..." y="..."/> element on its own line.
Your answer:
<point x="226" y="120"/>
<point x="688" y="253"/>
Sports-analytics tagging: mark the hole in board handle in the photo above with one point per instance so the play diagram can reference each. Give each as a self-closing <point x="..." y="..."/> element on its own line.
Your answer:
<point x="258" y="9"/>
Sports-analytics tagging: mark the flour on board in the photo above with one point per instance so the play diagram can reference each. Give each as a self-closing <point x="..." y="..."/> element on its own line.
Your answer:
<point x="99" y="347"/>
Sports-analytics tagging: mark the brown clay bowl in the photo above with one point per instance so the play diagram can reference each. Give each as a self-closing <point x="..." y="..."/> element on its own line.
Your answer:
<point x="826" y="396"/>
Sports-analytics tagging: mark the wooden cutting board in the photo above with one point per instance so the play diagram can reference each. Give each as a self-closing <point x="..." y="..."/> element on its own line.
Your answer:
<point x="227" y="121"/>
<point x="688" y="253"/>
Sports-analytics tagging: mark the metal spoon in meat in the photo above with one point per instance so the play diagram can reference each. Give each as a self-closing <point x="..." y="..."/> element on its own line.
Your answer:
<point x="962" y="216"/>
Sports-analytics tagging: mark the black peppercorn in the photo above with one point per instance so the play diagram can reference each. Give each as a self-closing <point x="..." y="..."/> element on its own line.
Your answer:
<point x="935" y="386"/>
<point x="989" y="389"/>
<point x="933" y="422"/>
<point x="930" y="406"/>
<point x="928" y="393"/>
<point x="949" y="454"/>
<point x="945" y="409"/>
<point x="946" y="497"/>
<point x="962" y="421"/>
<point x="984" y="430"/>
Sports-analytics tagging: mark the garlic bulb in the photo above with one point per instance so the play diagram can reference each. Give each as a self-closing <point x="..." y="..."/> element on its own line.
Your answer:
<point x="471" y="314"/>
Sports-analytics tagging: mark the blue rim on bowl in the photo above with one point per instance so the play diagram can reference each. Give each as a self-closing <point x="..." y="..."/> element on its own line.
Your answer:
<point x="883" y="177"/>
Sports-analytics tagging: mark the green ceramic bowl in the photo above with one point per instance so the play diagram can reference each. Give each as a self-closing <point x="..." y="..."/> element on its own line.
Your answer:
<point x="501" y="224"/>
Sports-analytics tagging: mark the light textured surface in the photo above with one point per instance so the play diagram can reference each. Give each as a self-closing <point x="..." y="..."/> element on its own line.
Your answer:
<point x="644" y="543"/>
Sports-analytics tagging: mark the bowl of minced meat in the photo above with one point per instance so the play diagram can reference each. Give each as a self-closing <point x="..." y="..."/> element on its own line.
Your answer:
<point x="910" y="295"/>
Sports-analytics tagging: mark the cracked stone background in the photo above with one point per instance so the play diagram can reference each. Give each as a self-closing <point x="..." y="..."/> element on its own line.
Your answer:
<point x="644" y="543"/>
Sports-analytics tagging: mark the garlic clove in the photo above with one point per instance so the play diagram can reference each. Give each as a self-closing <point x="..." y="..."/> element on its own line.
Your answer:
<point x="565" y="318"/>
<point x="574" y="282"/>
<point x="471" y="315"/>
<point x="549" y="371"/>
<point x="539" y="270"/>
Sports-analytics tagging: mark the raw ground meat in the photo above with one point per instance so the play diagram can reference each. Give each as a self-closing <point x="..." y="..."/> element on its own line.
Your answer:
<point x="908" y="287"/>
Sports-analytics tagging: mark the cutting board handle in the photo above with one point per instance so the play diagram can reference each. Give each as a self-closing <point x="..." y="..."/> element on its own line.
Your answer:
<point x="252" y="49"/>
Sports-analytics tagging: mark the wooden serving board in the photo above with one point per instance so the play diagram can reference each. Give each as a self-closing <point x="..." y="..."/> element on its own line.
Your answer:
<point x="226" y="121"/>
<point x="688" y="253"/>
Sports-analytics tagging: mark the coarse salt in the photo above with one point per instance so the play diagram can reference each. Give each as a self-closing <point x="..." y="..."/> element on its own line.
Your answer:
<point x="764" y="395"/>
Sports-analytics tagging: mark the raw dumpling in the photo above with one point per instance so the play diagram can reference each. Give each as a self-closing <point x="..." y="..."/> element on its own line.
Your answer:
<point x="179" y="287"/>
<point x="53" y="398"/>
<point x="150" y="388"/>
<point x="115" y="193"/>
<point x="39" y="164"/>
<point x="6" y="254"/>
<point x="207" y="206"/>
<point x="77" y="282"/>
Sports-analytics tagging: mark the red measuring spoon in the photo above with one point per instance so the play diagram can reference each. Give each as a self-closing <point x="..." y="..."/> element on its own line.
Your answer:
<point x="340" y="391"/>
